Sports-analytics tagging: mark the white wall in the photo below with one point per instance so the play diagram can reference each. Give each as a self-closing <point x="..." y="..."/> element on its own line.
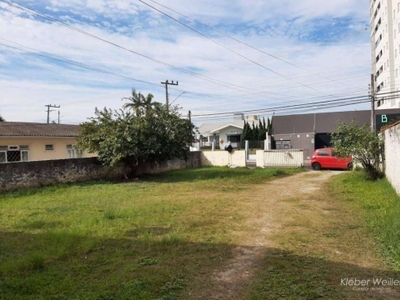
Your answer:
<point x="281" y="158"/>
<point x="392" y="155"/>
<point x="223" y="158"/>
<point x="271" y="158"/>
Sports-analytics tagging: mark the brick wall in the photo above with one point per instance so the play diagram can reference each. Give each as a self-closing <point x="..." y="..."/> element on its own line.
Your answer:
<point x="41" y="173"/>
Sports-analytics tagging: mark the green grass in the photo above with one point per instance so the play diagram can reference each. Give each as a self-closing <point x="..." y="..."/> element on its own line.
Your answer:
<point x="147" y="239"/>
<point x="327" y="236"/>
<point x="380" y="206"/>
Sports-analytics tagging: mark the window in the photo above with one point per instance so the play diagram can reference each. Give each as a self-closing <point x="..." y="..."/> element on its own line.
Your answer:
<point x="284" y="144"/>
<point x="323" y="153"/>
<point x="14" y="153"/>
<point x="74" y="152"/>
<point x="49" y="147"/>
<point x="234" y="138"/>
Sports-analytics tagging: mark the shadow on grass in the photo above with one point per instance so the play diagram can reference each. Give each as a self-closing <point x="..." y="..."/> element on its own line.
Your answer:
<point x="211" y="173"/>
<point x="186" y="175"/>
<point x="56" y="187"/>
<point x="165" y="266"/>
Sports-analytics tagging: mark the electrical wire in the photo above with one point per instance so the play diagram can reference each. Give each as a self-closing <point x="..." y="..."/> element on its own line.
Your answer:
<point x="246" y="44"/>
<point x="227" y="48"/>
<point x="323" y="104"/>
<point x="191" y="73"/>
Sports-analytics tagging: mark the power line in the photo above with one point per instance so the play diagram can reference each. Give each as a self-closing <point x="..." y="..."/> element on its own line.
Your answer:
<point x="327" y="103"/>
<point x="75" y="63"/>
<point x="243" y="43"/>
<point x="191" y="73"/>
<point x="227" y="48"/>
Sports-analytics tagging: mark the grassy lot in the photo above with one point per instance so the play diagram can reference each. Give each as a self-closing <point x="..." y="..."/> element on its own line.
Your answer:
<point x="380" y="207"/>
<point x="147" y="239"/>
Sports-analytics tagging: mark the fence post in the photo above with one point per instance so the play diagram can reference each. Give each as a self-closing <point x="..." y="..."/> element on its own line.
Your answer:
<point x="266" y="144"/>
<point x="246" y="148"/>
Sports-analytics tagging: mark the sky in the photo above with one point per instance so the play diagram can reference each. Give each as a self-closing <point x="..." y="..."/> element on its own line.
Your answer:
<point x="258" y="57"/>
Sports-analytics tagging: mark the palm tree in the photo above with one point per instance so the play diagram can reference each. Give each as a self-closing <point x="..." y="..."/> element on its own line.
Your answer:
<point x="139" y="104"/>
<point x="148" y="103"/>
<point x="135" y="103"/>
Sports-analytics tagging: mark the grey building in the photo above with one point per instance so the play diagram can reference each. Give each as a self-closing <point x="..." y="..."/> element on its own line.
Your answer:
<point x="312" y="131"/>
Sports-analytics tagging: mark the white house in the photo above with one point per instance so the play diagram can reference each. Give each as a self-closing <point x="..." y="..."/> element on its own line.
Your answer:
<point x="224" y="133"/>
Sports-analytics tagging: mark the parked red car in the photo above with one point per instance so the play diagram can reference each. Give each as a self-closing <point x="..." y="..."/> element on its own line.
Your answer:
<point x="325" y="158"/>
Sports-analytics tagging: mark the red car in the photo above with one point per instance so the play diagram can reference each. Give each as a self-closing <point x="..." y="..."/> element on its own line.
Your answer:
<point x="325" y="158"/>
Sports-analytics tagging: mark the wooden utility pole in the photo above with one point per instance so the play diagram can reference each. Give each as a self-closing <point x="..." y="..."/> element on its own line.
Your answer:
<point x="166" y="83"/>
<point x="48" y="111"/>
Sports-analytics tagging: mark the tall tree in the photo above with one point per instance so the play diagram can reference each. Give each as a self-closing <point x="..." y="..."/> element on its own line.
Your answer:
<point x="269" y="126"/>
<point x="123" y="138"/>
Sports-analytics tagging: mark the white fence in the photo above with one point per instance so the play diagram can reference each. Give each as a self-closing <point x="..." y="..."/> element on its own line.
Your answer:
<point x="392" y="155"/>
<point x="280" y="158"/>
<point x="262" y="158"/>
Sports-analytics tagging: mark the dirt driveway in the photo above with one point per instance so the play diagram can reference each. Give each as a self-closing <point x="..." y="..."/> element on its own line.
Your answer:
<point x="295" y="217"/>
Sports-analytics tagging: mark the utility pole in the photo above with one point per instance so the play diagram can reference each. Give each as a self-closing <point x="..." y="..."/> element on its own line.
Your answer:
<point x="166" y="83"/>
<point x="372" y="92"/>
<point x="48" y="111"/>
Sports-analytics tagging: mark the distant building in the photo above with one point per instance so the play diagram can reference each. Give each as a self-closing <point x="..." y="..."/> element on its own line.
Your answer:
<point x="312" y="131"/>
<point x="385" y="42"/>
<point x="22" y="141"/>
<point x="225" y="133"/>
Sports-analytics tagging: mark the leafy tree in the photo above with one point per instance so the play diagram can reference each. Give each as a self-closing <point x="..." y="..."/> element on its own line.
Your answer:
<point x="123" y="138"/>
<point x="365" y="147"/>
<point x="2" y="119"/>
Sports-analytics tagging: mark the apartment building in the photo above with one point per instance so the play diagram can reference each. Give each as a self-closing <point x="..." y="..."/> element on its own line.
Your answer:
<point x="385" y="41"/>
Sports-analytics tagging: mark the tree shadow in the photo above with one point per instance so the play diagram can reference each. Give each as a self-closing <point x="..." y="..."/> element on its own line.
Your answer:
<point x="161" y="264"/>
<point x="211" y="173"/>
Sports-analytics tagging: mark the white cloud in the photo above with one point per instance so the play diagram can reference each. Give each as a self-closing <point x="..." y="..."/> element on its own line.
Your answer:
<point x="331" y="54"/>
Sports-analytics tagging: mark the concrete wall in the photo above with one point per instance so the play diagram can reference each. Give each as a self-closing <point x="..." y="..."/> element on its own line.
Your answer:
<point x="22" y="175"/>
<point x="224" y="158"/>
<point x="392" y="155"/>
<point x="37" y="147"/>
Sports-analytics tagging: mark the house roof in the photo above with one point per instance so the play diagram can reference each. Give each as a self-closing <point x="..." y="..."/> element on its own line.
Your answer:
<point x="210" y="128"/>
<point x="226" y="126"/>
<point x="25" y="129"/>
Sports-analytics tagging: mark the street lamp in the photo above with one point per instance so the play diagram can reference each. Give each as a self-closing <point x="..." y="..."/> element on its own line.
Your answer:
<point x="178" y="97"/>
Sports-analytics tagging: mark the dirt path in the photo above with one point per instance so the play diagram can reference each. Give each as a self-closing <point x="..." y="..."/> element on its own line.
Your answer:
<point x="294" y="214"/>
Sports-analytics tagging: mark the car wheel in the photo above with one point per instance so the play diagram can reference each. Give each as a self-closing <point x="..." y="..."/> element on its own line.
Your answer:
<point x="316" y="166"/>
<point x="349" y="167"/>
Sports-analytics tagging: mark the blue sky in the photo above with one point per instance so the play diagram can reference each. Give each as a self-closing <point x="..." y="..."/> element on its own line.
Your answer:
<point x="300" y="52"/>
